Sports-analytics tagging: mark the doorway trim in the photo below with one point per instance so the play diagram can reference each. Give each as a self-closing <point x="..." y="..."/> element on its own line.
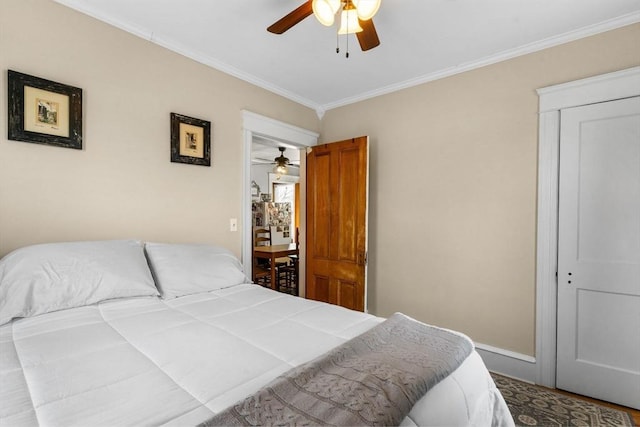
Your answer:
<point x="257" y="125"/>
<point x="552" y="99"/>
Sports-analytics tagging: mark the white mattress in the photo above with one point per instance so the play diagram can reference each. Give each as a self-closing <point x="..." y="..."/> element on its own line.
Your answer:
<point x="146" y="361"/>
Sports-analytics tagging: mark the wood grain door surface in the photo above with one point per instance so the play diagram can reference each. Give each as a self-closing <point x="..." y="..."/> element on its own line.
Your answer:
<point x="337" y="223"/>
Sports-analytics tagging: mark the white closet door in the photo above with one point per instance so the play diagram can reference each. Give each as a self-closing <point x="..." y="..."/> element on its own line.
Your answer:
<point x="599" y="252"/>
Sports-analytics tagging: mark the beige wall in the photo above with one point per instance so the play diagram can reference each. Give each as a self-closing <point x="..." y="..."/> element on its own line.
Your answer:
<point x="122" y="184"/>
<point x="453" y="188"/>
<point x="453" y="163"/>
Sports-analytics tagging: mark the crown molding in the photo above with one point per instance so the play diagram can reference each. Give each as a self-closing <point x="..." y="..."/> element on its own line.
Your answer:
<point x="320" y="109"/>
<point x="591" y="30"/>
<point x="191" y="54"/>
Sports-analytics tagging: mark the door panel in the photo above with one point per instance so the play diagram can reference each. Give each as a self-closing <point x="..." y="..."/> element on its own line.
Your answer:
<point x="608" y="350"/>
<point x="336" y="222"/>
<point x="321" y="288"/>
<point x="599" y="252"/>
<point x="347" y="205"/>
<point x="348" y="293"/>
<point x="320" y="200"/>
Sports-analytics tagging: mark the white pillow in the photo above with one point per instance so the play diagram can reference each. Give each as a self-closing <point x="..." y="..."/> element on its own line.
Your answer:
<point x="42" y="278"/>
<point x="184" y="269"/>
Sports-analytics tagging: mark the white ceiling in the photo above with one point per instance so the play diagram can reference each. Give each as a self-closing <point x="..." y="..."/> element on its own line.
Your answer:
<point x="421" y="40"/>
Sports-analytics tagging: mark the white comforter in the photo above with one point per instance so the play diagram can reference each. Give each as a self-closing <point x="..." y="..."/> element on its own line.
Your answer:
<point x="146" y="361"/>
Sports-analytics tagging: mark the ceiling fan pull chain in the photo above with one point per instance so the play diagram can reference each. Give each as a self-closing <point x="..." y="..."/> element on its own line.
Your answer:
<point x="347" y="36"/>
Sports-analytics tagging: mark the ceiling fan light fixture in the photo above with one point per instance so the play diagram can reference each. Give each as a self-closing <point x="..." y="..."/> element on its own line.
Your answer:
<point x="349" y="20"/>
<point x="325" y="11"/>
<point x="281" y="169"/>
<point x="281" y="162"/>
<point x="355" y="18"/>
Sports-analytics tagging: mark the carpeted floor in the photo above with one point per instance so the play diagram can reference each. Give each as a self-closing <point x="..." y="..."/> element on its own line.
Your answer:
<point x="532" y="405"/>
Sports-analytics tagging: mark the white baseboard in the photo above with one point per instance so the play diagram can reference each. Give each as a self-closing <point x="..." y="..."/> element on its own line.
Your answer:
<point x="509" y="363"/>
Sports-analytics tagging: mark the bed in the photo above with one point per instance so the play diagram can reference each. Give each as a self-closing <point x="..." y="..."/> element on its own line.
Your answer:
<point x="119" y="333"/>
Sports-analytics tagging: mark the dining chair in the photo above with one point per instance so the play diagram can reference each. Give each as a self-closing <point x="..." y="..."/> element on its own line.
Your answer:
<point x="262" y="237"/>
<point x="288" y="275"/>
<point x="261" y="267"/>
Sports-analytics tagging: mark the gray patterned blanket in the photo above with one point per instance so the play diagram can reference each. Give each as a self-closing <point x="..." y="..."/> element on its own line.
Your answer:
<point x="373" y="379"/>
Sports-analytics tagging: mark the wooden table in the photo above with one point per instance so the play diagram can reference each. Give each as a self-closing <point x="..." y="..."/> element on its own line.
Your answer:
<point x="272" y="253"/>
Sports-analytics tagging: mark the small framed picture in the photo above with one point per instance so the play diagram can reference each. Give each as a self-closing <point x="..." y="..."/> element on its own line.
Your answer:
<point x="44" y="112"/>
<point x="190" y="140"/>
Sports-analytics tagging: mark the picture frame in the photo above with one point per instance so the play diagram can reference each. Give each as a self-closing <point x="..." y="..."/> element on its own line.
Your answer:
<point x="190" y="140"/>
<point x="42" y="111"/>
<point x="255" y="190"/>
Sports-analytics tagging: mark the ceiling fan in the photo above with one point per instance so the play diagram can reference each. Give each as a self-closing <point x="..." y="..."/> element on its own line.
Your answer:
<point x="355" y="18"/>
<point x="281" y="162"/>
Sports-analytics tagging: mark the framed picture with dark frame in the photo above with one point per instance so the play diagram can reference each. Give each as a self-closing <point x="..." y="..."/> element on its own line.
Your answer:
<point x="190" y="140"/>
<point x="43" y="111"/>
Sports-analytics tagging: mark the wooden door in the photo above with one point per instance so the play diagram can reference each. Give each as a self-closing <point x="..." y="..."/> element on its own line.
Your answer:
<point x="598" y="349"/>
<point x="336" y="247"/>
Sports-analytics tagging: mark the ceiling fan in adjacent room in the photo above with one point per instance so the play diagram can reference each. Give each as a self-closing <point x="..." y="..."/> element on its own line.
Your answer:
<point x="281" y="162"/>
<point x="356" y="17"/>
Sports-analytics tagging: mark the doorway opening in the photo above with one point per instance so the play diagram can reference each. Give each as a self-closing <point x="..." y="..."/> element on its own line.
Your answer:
<point x="274" y="192"/>
<point x="272" y="134"/>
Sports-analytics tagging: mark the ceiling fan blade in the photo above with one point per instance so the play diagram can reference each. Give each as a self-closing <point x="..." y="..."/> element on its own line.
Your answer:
<point x="368" y="37"/>
<point x="291" y="19"/>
